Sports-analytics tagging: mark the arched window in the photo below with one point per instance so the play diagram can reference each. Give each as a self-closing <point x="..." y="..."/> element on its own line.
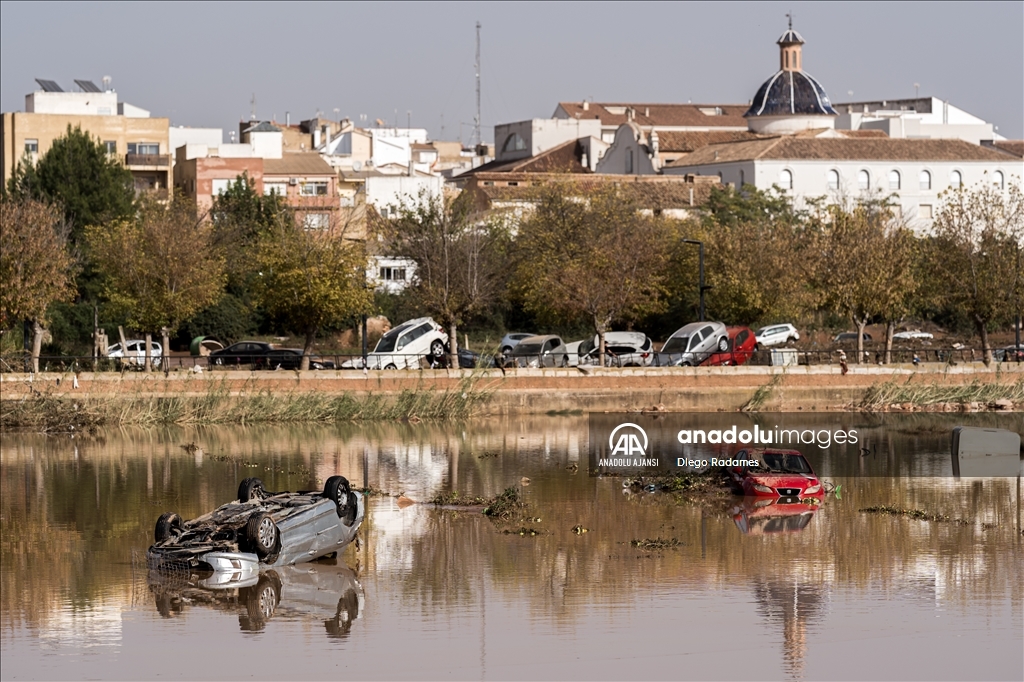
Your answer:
<point x="925" y="180"/>
<point x="997" y="178"/>
<point x="743" y="178"/>
<point x="514" y="143"/>
<point x="894" y="179"/>
<point x="833" y="179"/>
<point x="956" y="181"/>
<point x="864" y="180"/>
<point x="786" y="179"/>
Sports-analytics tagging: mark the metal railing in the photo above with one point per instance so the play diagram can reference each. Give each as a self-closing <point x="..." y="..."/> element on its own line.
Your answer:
<point x="147" y="160"/>
<point x="19" y="363"/>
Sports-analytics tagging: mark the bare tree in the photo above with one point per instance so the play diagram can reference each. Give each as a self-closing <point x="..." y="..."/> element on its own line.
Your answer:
<point x="36" y="267"/>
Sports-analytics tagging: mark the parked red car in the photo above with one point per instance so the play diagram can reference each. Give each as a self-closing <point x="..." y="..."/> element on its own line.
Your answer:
<point x="782" y="473"/>
<point x="742" y="343"/>
<point x="764" y="515"/>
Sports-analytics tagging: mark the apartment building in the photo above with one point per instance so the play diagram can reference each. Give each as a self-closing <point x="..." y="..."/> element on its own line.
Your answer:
<point x="129" y="133"/>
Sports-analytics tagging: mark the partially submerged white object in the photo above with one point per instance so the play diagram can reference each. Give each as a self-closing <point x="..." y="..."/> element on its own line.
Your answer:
<point x="985" y="452"/>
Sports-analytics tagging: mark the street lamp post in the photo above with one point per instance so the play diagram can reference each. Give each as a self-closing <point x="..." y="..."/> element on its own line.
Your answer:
<point x="703" y="287"/>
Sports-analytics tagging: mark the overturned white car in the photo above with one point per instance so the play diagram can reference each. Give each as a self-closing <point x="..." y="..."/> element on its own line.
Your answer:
<point x="259" y="529"/>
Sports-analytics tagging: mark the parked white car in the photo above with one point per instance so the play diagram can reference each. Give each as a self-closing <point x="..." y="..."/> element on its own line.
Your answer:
<point x="404" y="346"/>
<point x="774" y="334"/>
<point x="911" y="334"/>
<point x="623" y="349"/>
<point x="135" y="353"/>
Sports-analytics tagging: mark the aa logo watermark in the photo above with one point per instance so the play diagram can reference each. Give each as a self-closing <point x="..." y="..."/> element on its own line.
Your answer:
<point x="628" y="445"/>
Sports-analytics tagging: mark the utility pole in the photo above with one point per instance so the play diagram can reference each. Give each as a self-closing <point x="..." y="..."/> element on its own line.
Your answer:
<point x="476" y="121"/>
<point x="700" y="275"/>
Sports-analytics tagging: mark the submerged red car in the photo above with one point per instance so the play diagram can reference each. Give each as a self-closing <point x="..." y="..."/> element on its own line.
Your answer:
<point x="742" y="344"/>
<point x="781" y="473"/>
<point x="766" y="515"/>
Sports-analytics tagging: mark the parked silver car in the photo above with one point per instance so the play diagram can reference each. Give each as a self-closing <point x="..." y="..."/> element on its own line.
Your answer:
<point x="775" y="334"/>
<point x="540" y="351"/>
<point x="693" y="344"/>
<point x="622" y="349"/>
<point x="511" y="340"/>
<point x="259" y="529"/>
<point x="134" y="353"/>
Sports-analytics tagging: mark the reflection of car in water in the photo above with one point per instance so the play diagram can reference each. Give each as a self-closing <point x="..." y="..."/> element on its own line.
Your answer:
<point x="765" y="516"/>
<point x="325" y="590"/>
<point x="259" y="528"/>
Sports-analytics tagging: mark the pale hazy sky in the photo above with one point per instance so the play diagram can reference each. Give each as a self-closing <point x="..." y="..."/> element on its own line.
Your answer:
<point x="200" y="63"/>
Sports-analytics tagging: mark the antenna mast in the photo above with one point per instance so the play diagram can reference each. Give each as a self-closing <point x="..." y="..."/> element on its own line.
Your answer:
<point x="476" y="121"/>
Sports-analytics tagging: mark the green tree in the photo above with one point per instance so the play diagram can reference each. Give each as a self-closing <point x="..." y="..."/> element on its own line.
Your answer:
<point x="36" y="266"/>
<point x="91" y="186"/>
<point x="975" y="258"/>
<point x="310" y="279"/>
<point x="593" y="256"/>
<point x="160" y="268"/>
<point x="460" y="258"/>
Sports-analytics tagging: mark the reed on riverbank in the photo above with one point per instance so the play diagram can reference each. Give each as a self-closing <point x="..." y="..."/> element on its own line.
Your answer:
<point x="44" y="411"/>
<point x="898" y="393"/>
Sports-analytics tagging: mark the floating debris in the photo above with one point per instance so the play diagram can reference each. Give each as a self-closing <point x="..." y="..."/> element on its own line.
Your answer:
<point x="656" y="543"/>
<point x="523" y="531"/>
<point x="454" y="498"/>
<point x="506" y="505"/>
<point x="919" y="514"/>
<point x="487" y="455"/>
<point x="579" y="529"/>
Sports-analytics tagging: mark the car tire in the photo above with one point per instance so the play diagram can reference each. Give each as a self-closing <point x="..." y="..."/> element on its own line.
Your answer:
<point x="791" y="339"/>
<point x="437" y="348"/>
<point x="262" y="534"/>
<point x="390" y="366"/>
<point x="249" y="489"/>
<point x="167" y="525"/>
<point x="506" y="350"/>
<point x="723" y="345"/>
<point x="261" y="601"/>
<point x="218" y="362"/>
<point x="337" y="489"/>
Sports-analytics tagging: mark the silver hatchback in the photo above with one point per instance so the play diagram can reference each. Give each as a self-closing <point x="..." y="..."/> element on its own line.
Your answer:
<point x="693" y="344"/>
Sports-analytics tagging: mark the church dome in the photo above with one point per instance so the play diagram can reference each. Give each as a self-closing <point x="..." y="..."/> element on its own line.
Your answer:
<point x="791" y="100"/>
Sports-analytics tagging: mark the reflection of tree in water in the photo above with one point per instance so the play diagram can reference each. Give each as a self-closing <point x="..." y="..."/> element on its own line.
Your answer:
<point x="796" y="606"/>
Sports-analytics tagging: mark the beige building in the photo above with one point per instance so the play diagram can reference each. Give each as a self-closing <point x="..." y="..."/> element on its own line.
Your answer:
<point x="137" y="140"/>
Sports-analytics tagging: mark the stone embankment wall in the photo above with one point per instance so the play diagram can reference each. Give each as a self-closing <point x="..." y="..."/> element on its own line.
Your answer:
<point x="539" y="391"/>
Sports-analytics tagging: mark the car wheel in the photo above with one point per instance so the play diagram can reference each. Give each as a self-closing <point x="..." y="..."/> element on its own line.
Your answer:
<point x="390" y="366"/>
<point x="507" y="350"/>
<point x="337" y="489"/>
<point x="167" y="525"/>
<point x="723" y="345"/>
<point x="436" y="348"/>
<point x="250" y="489"/>
<point x="261" y="532"/>
<point x="218" y="361"/>
<point x="791" y="340"/>
<point x="348" y="611"/>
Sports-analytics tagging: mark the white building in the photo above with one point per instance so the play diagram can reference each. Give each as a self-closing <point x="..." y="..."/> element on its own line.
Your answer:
<point x="798" y="150"/>
<point x="920" y="117"/>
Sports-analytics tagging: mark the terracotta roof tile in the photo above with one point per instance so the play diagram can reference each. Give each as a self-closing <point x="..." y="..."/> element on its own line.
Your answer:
<point x="297" y="164"/>
<point x="1015" y="147"/>
<point x="668" y="115"/>
<point x="565" y="158"/>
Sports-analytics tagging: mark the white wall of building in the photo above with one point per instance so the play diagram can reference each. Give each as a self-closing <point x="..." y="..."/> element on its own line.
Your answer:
<point x="74" y="103"/>
<point x="208" y="137"/>
<point x="384" y="192"/>
<point x="629" y="153"/>
<point x="131" y="111"/>
<point x="810" y="179"/>
<point x="903" y="119"/>
<point x="267" y="145"/>
<point x="390" y="274"/>
<point x="539" y="135"/>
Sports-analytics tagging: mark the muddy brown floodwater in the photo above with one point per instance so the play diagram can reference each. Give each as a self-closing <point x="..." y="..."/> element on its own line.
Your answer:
<point x="732" y="592"/>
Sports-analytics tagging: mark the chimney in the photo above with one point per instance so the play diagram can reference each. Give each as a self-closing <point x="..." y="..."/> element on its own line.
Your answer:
<point x="586" y="105"/>
<point x="287" y="118"/>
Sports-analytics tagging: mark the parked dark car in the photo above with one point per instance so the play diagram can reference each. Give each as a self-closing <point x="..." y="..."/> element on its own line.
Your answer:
<point x="263" y="355"/>
<point x="850" y="337"/>
<point x="742" y="343"/>
<point x="260" y="528"/>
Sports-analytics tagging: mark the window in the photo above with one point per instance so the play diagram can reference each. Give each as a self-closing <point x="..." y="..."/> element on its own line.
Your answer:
<point x="786" y="179"/>
<point x="220" y="186"/>
<point x="833" y="179"/>
<point x="514" y="143"/>
<point x="924" y="211"/>
<point x="629" y="161"/>
<point x="143" y="148"/>
<point x="925" y="180"/>
<point x="111" y="146"/>
<point x="317" y="221"/>
<point x="863" y="180"/>
<point x="743" y="179"/>
<point x="32" y="146"/>
<point x="389" y="274"/>
<point x="279" y="188"/>
<point x="997" y="178"/>
<point x="313" y="189"/>
<point x="894" y="179"/>
<point x="956" y="181"/>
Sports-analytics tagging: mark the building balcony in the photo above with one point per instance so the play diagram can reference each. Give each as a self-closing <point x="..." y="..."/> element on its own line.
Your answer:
<point x="147" y="160"/>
